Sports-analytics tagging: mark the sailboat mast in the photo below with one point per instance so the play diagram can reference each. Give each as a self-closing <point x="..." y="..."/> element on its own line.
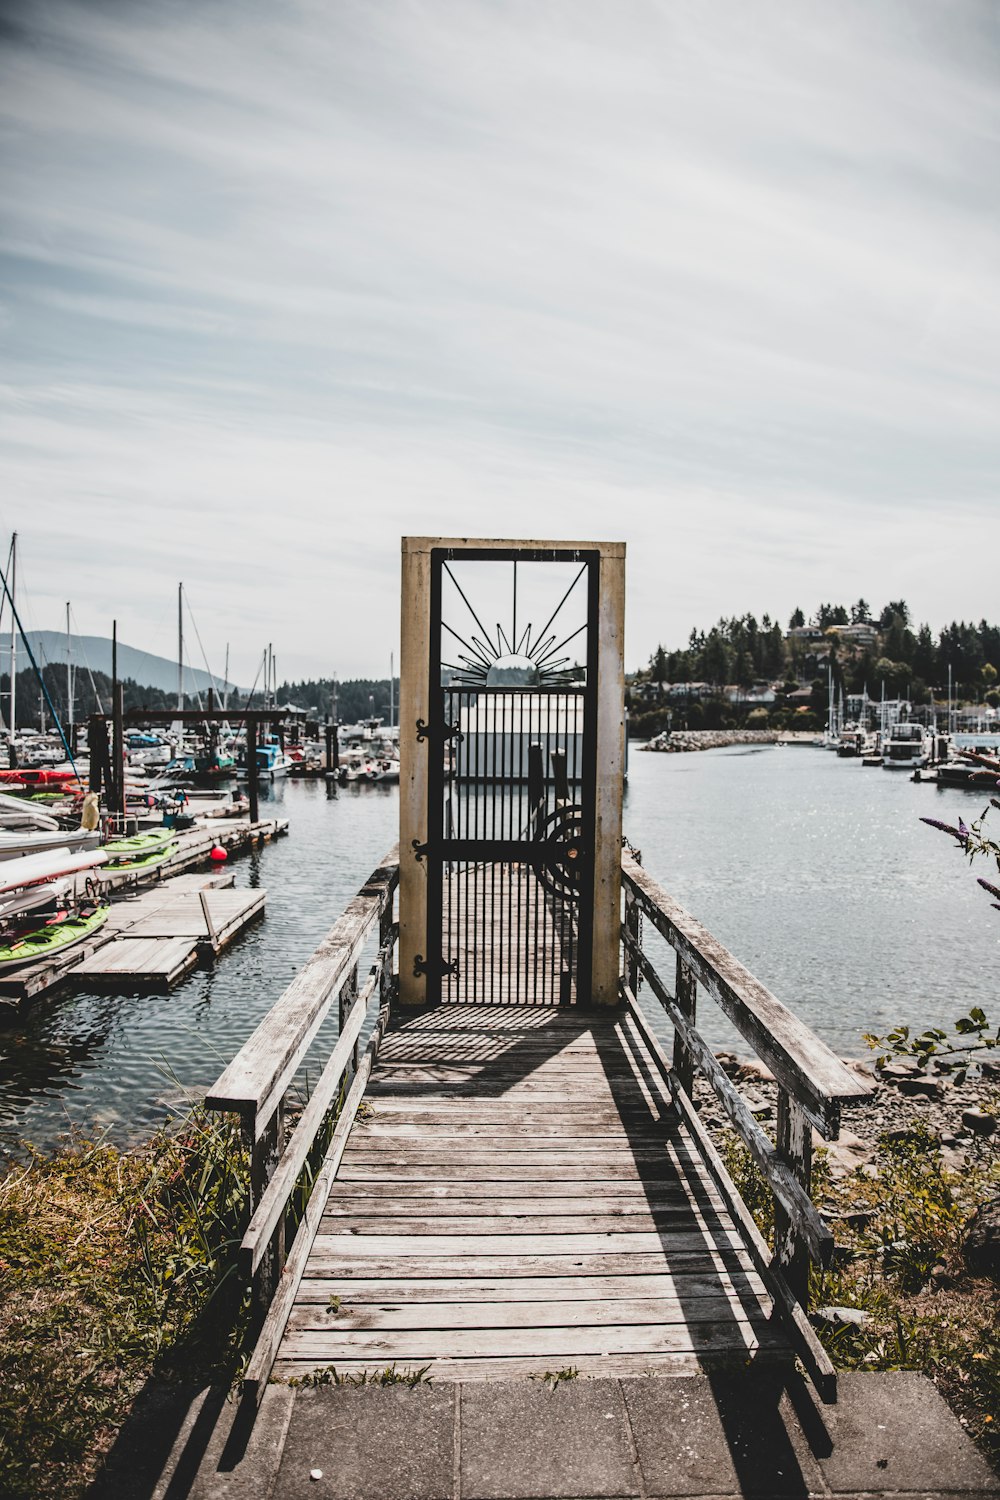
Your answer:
<point x="69" y="672"/>
<point x="225" y="685"/>
<point x="392" y="695"/>
<point x="180" y="646"/>
<point x="13" y="635"/>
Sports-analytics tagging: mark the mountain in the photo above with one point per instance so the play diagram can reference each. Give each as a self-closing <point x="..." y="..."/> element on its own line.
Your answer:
<point x="49" y="647"/>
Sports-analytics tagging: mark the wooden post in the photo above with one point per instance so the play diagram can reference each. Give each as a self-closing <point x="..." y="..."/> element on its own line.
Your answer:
<point x="329" y="747"/>
<point x="794" y="1144"/>
<point x="384" y="930"/>
<point x="118" y="751"/>
<point x="686" y="994"/>
<point x="253" y="791"/>
<point x="265" y="1153"/>
<point x="633" y="926"/>
<point x="348" y="995"/>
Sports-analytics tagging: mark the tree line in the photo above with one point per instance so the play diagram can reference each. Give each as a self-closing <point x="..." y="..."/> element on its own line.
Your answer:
<point x="741" y="651"/>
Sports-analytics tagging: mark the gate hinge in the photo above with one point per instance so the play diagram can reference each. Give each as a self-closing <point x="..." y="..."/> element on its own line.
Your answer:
<point x="427" y="731"/>
<point x="436" y="968"/>
<point x="419" y="850"/>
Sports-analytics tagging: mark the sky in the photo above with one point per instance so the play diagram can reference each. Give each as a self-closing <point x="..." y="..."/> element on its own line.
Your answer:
<point x="283" y="282"/>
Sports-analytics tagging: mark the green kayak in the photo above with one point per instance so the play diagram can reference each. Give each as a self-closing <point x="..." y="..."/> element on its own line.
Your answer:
<point x="139" y="843"/>
<point x="140" y="861"/>
<point x="32" y="946"/>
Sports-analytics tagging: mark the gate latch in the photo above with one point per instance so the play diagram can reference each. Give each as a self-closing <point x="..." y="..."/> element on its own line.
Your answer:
<point x="433" y="968"/>
<point x="426" y="731"/>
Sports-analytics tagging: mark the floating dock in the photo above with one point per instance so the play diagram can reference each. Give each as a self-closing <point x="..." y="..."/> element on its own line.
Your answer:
<point x="167" y="919"/>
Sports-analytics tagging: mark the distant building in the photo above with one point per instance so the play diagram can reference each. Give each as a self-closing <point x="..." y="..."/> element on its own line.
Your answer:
<point x="804" y="633"/>
<point x="863" y="633"/>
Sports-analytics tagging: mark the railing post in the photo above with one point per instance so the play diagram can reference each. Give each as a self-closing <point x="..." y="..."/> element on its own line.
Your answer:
<point x="384" y="935"/>
<point x="348" y="995"/>
<point x="794" y="1145"/>
<point x="633" y="926"/>
<point x="686" y="993"/>
<point x="265" y="1153"/>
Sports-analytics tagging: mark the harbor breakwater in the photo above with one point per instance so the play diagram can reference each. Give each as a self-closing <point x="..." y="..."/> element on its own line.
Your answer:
<point x="712" y="739"/>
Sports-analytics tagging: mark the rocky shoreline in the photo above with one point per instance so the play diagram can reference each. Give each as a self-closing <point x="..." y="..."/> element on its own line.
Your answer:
<point x="681" y="740"/>
<point x="964" y="1118"/>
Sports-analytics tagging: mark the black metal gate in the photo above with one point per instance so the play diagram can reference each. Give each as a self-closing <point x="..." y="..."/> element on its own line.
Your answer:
<point x="511" y="787"/>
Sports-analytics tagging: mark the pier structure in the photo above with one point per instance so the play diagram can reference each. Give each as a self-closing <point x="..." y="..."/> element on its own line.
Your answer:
<point x="517" y="1178"/>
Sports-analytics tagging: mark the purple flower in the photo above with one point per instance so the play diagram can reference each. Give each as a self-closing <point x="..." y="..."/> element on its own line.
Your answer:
<point x="993" y="890"/>
<point x="961" y="832"/>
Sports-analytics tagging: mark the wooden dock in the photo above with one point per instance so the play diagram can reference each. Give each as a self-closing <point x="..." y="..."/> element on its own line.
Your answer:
<point x="163" y="922"/>
<point x="520" y="1196"/>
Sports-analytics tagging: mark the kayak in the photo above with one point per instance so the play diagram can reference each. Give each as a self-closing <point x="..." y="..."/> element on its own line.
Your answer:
<point x="27" y="776"/>
<point x="51" y="939"/>
<point x="33" y="869"/>
<point x="14" y="845"/>
<point x="138" y="844"/>
<point x="140" y="861"/>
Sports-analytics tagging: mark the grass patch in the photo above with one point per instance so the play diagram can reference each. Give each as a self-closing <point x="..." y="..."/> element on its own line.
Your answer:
<point x="330" y="1375"/>
<point x="115" y="1265"/>
<point x="900" y="1262"/>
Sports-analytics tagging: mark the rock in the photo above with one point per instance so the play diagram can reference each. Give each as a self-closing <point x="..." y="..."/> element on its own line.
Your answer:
<point x="859" y="1067"/>
<point x="846" y="1154"/>
<point x="925" y="1088"/>
<point x="754" y="1072"/>
<point x="990" y="1069"/>
<point x="979" y="1121"/>
<point x="842" y="1317"/>
<point x="757" y="1106"/>
<point x="729" y="1063"/>
<point x="894" y="1071"/>
<point x="981" y="1241"/>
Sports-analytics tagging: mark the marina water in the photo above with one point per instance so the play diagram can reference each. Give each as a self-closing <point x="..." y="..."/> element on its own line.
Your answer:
<point x="815" y="872"/>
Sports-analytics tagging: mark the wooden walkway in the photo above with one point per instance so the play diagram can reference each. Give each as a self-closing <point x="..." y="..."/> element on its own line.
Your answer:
<point x="514" y="941"/>
<point x="518" y="1197"/>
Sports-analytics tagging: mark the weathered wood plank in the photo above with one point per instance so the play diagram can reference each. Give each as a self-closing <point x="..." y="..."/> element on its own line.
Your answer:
<point x="335" y="1261"/>
<point x="430" y="1289"/>
<point x="435" y="1317"/>
<point x="612" y="1242"/>
<point x="668" y="1220"/>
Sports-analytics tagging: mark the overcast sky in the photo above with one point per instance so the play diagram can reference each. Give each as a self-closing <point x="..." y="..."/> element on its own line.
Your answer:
<point x="284" y="281"/>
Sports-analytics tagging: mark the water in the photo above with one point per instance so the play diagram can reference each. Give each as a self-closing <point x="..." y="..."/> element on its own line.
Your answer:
<point x="814" y="871"/>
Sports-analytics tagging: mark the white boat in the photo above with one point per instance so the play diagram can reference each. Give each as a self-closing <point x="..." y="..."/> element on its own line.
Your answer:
<point x="15" y="845"/>
<point x="907" y="747"/>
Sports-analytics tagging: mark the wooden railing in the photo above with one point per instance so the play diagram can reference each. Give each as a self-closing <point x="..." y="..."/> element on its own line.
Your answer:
<point x="256" y="1084"/>
<point x="812" y="1083"/>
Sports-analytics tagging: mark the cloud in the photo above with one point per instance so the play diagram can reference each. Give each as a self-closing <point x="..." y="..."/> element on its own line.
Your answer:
<point x="280" y="285"/>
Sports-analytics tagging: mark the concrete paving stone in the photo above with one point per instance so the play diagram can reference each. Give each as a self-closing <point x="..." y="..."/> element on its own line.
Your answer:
<point x="894" y="1431"/>
<point x="370" y="1443"/>
<point x="719" y="1435"/>
<point x="522" y="1439"/>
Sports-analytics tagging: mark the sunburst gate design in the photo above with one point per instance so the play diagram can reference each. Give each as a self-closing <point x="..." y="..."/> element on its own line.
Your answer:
<point x="504" y="658"/>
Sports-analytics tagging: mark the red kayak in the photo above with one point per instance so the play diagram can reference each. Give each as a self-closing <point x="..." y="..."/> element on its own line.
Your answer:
<point x="42" y="776"/>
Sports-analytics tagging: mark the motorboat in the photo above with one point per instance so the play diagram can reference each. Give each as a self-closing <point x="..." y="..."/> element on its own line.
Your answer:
<point x="907" y="748"/>
<point x="272" y="762"/>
